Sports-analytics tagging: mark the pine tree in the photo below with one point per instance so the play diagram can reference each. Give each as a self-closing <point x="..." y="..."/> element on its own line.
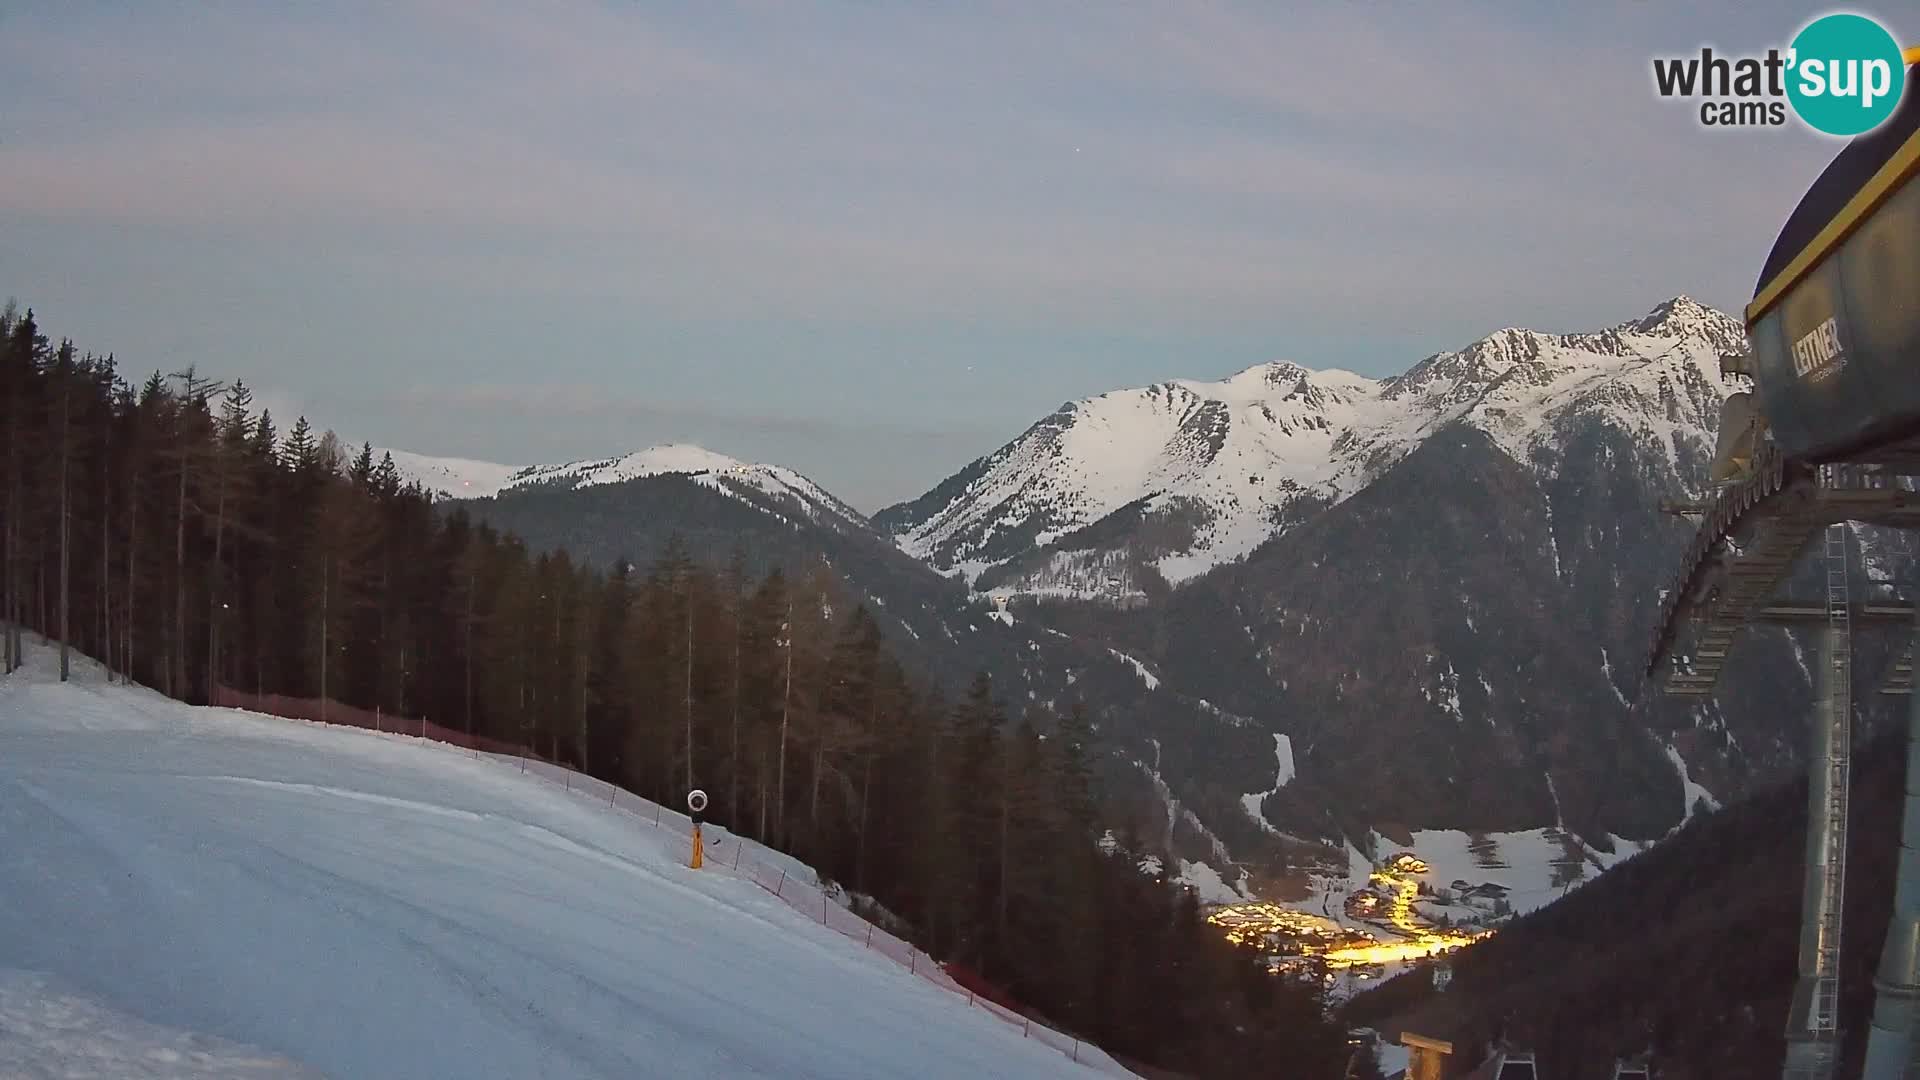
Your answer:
<point x="301" y="454"/>
<point x="63" y="375"/>
<point x="346" y="584"/>
<point x="229" y="462"/>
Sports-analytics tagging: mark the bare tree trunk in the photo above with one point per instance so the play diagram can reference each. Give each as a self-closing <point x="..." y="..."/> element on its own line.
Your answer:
<point x="1006" y="823"/>
<point x="786" y="708"/>
<point x="860" y="848"/>
<point x="66" y="515"/>
<point x="866" y="785"/>
<point x="585" y="735"/>
<point x="213" y="581"/>
<point x="813" y="797"/>
<point x="9" y="535"/>
<point x="762" y="835"/>
<point x="326" y="574"/>
<point x="689" y="686"/>
<point x="177" y="662"/>
<point x="733" y="752"/>
<point x="133" y="544"/>
<point x="472" y="574"/>
<point x="7" y="641"/>
<point x="106" y="551"/>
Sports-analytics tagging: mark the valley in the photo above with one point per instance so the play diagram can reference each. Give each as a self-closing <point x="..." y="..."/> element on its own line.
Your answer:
<point x="1406" y="595"/>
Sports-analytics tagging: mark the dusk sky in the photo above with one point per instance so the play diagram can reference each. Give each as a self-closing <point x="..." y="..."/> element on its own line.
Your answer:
<point x="869" y="241"/>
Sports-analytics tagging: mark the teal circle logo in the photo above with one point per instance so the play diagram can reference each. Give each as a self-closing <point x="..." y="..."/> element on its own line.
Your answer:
<point x="1845" y="74"/>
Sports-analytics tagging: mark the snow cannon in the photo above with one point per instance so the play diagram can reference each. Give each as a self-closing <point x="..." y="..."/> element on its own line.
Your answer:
<point x="1835" y="320"/>
<point x="696" y="806"/>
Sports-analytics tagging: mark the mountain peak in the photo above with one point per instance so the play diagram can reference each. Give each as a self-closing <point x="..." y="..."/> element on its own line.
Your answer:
<point x="1687" y="318"/>
<point x="1221" y="465"/>
<point x="1272" y="372"/>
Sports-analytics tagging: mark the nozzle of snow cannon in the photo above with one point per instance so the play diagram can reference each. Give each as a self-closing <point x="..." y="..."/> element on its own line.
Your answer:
<point x="697" y="802"/>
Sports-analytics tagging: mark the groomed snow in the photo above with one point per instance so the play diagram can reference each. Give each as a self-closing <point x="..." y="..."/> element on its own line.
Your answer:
<point x="46" y="1031"/>
<point x="373" y="906"/>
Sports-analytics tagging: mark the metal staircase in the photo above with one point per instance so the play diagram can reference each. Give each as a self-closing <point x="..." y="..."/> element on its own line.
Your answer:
<point x="1813" y="1019"/>
<point x="1839" y="692"/>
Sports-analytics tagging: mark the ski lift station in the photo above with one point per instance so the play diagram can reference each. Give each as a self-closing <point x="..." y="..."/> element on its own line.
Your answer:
<point x="1829" y="434"/>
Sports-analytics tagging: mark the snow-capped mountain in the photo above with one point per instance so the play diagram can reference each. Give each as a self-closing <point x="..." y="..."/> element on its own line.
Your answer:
<point x="1426" y="587"/>
<point x="1194" y="474"/>
<point x="452" y="478"/>
<point x="459" y="478"/>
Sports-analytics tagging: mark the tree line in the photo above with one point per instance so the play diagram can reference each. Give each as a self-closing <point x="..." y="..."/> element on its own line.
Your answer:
<point x="175" y="535"/>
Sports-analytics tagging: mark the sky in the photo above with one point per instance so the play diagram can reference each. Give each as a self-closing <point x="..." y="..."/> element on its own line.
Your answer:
<point x="868" y="241"/>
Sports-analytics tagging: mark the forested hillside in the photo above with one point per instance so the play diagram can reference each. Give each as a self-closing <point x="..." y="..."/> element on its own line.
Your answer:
<point x="180" y="537"/>
<point x="1686" y="949"/>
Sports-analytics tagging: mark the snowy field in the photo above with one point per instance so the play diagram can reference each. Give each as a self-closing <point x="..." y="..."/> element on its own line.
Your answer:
<point x="1528" y="864"/>
<point x="203" y="892"/>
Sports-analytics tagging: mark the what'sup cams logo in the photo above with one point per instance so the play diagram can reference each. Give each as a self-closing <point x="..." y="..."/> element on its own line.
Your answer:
<point x="1842" y="75"/>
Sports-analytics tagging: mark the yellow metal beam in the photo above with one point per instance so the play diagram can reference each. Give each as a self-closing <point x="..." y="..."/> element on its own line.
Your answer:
<point x="1901" y="166"/>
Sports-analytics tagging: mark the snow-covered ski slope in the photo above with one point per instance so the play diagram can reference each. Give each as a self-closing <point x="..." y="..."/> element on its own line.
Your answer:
<point x="193" y="891"/>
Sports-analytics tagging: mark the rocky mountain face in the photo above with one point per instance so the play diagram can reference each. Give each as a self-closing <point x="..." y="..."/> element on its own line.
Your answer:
<point x="1435" y="589"/>
<point x="1185" y="476"/>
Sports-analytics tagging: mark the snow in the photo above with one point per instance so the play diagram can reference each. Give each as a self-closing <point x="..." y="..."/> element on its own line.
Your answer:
<point x="48" y="1031"/>
<point x="189" y="881"/>
<point x="1140" y="669"/>
<point x="463" y="479"/>
<point x="453" y="478"/>
<point x="1606" y="669"/>
<point x="1522" y="862"/>
<point x="1283" y="756"/>
<point x="1695" y="794"/>
<point x="1244" y="448"/>
<point x="1207" y="883"/>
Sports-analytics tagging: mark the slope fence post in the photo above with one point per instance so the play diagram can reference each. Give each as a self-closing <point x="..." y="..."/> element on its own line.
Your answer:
<point x="778" y="889"/>
<point x="869" y="935"/>
<point x="737" y="846"/>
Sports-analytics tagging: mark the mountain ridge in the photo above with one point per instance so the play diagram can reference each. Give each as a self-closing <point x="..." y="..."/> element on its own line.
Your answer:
<point x="1228" y="461"/>
<point x="462" y="478"/>
<point x="1425" y="583"/>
